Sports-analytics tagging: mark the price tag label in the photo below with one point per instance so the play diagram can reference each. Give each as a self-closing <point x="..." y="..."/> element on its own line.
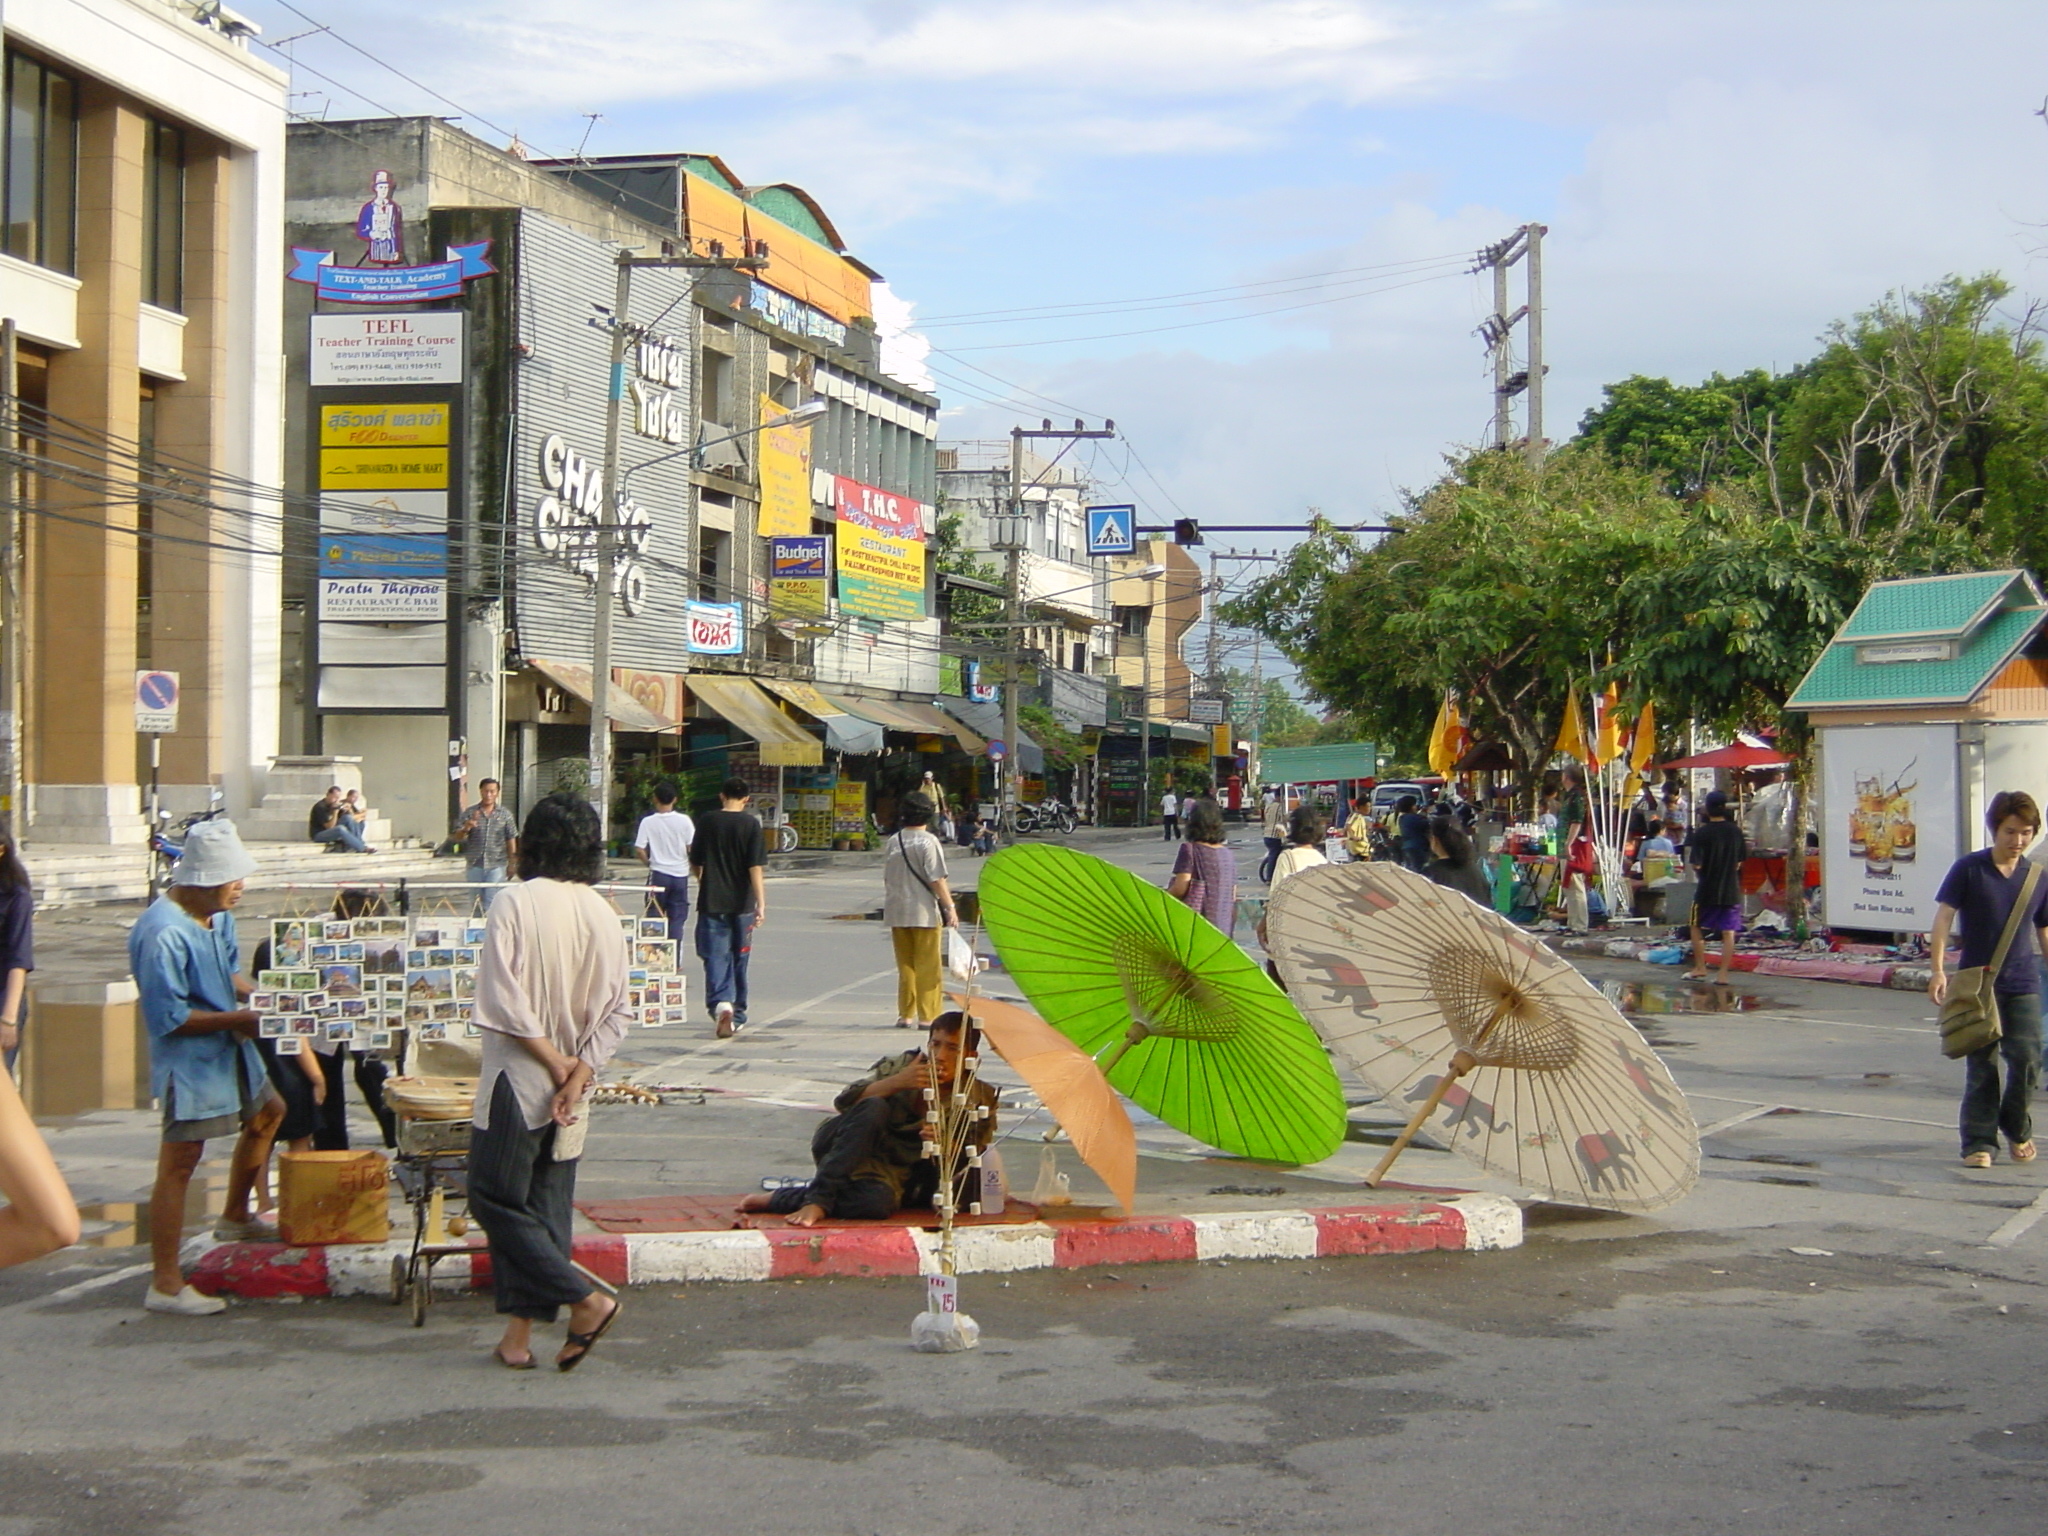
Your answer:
<point x="942" y="1293"/>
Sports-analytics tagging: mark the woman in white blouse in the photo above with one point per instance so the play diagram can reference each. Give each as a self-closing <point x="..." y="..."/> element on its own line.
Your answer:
<point x="551" y="1003"/>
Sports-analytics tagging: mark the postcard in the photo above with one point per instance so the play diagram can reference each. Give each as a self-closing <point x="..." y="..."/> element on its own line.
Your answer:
<point x="355" y="1007"/>
<point x="465" y="982"/>
<point x="430" y="986"/>
<point x="273" y="1027"/>
<point x="653" y="928"/>
<point x="337" y="928"/>
<point x="342" y="980"/>
<point x="426" y="936"/>
<point x="289" y="1045"/>
<point x="675" y="1015"/>
<point x="655" y="954"/>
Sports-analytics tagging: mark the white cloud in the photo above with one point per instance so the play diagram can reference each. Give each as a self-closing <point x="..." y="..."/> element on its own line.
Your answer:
<point x="905" y="353"/>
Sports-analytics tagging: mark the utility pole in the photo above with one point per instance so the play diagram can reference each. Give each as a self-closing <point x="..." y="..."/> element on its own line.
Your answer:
<point x="11" y="734"/>
<point x="1497" y="331"/>
<point x="610" y="517"/>
<point x="1012" y="542"/>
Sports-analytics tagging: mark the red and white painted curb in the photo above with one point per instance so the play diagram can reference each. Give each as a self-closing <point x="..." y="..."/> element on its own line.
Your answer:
<point x="1461" y="1223"/>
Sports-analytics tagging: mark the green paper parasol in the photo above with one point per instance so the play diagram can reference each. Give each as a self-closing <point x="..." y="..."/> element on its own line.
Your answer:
<point x="1178" y="1017"/>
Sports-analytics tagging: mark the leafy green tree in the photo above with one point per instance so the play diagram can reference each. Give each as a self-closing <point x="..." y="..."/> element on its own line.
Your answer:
<point x="1062" y="746"/>
<point x="1282" y="719"/>
<point x="1686" y="434"/>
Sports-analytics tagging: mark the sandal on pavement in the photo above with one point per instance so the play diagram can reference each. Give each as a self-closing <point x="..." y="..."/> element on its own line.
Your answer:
<point x="509" y="1363"/>
<point x="584" y="1343"/>
<point x="1976" y="1159"/>
<point x="2024" y="1151"/>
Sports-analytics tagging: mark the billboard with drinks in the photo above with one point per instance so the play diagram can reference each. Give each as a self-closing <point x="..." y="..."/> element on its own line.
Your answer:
<point x="1889" y="823"/>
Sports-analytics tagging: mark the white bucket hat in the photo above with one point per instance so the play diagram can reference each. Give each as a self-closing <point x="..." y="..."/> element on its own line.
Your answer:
<point x="213" y="855"/>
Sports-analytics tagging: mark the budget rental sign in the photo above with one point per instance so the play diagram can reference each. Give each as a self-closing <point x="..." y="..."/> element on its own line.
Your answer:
<point x="880" y="551"/>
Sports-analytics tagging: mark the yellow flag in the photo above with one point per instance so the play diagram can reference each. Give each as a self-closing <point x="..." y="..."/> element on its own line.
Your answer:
<point x="1571" y="735"/>
<point x="1441" y="734"/>
<point x="1644" y="747"/>
<point x="1607" y="740"/>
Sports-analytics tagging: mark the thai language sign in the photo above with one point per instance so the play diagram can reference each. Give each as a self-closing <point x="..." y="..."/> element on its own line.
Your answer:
<point x="785" y="476"/>
<point x="383" y="426"/>
<point x="715" y="629"/>
<point x="881" y="551"/>
<point x="390" y="285"/>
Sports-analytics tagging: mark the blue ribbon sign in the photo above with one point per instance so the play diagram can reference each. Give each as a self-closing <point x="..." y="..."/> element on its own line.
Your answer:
<point x="391" y="285"/>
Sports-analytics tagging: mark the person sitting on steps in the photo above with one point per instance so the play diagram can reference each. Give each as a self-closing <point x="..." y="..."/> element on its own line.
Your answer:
<point x="331" y="823"/>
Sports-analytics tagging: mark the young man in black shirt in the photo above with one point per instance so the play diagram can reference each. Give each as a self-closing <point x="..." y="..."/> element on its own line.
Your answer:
<point x="1716" y="851"/>
<point x="727" y="857"/>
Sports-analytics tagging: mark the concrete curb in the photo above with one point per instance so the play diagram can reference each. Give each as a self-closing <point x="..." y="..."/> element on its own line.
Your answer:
<point x="1462" y="1223"/>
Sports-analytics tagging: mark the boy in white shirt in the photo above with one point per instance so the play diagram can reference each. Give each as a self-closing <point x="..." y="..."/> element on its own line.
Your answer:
<point x="663" y="844"/>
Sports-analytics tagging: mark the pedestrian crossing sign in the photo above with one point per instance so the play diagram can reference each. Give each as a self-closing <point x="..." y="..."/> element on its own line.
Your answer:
<point x="1112" y="530"/>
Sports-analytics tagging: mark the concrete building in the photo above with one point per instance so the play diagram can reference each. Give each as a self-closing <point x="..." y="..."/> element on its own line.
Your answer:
<point x="443" y="610"/>
<point x="142" y="272"/>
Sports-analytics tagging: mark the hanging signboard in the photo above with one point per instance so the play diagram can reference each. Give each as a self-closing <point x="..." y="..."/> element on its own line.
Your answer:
<point x="715" y="629"/>
<point x="391" y="285"/>
<point x="880" y="561"/>
<point x="1112" y="530"/>
<point x="352" y="554"/>
<point x="387" y="349"/>
<point x="797" y="576"/>
<point x="785" y="469"/>
<point x="412" y="513"/>
<point x="357" y="425"/>
<point x="383" y="600"/>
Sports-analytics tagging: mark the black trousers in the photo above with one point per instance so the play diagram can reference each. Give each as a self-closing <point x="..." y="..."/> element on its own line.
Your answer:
<point x="524" y="1201"/>
<point x="330" y="1119"/>
<point x="838" y="1146"/>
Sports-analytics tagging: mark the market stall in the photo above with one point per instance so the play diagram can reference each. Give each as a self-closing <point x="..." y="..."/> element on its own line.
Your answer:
<point x="1929" y="700"/>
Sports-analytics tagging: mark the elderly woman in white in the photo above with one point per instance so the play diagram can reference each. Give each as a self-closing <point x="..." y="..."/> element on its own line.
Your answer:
<point x="551" y="1003"/>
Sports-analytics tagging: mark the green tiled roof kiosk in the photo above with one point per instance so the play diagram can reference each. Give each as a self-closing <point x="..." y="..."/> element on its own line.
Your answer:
<point x="1929" y="700"/>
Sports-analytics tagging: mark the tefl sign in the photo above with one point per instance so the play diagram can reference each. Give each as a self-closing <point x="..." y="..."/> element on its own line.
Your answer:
<point x="565" y="523"/>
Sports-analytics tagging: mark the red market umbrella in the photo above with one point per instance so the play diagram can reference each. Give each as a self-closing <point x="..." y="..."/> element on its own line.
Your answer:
<point x="1735" y="755"/>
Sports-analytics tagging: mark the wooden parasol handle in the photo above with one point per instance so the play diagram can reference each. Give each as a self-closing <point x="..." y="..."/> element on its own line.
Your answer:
<point x="1461" y="1063"/>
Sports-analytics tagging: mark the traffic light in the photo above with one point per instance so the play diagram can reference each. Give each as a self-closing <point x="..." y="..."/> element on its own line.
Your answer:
<point x="1186" y="531"/>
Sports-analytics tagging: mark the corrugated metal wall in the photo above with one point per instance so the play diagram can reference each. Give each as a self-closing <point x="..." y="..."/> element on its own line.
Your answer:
<point x="561" y="392"/>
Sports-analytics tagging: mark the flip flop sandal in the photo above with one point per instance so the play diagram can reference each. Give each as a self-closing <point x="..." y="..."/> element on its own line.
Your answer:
<point x="2024" y="1152"/>
<point x="584" y="1343"/>
<point x="512" y="1365"/>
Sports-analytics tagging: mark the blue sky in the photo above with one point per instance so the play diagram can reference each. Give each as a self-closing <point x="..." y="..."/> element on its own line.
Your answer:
<point x="1721" y="179"/>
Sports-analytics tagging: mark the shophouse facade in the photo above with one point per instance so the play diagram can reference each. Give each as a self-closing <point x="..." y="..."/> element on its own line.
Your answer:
<point x="444" y="613"/>
<point x="144" y="180"/>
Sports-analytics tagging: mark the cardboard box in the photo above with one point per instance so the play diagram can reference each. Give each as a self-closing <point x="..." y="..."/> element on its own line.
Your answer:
<point x="334" y="1197"/>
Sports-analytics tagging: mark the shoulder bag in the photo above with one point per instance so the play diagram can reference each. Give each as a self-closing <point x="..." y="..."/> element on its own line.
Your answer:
<point x="1969" y="1013"/>
<point x="957" y="954"/>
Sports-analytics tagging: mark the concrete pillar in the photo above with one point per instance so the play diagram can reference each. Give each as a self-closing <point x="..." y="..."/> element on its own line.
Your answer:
<point x="188" y="627"/>
<point x="81" y="757"/>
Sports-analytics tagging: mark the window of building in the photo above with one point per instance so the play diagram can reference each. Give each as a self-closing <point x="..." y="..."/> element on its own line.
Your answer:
<point x="163" y="219"/>
<point x="1130" y="621"/>
<point x="712" y="562"/>
<point x="714" y="389"/>
<point x="41" y="164"/>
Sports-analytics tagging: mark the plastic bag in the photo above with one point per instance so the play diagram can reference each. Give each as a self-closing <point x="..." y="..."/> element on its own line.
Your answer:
<point x="959" y="956"/>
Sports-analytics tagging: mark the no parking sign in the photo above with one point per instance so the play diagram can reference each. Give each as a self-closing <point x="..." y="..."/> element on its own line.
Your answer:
<point x="156" y="703"/>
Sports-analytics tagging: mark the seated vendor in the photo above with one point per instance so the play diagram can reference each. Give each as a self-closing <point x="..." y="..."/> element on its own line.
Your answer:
<point x="870" y="1155"/>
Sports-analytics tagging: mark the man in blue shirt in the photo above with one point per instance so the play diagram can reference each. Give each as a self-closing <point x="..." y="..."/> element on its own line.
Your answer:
<point x="204" y="1067"/>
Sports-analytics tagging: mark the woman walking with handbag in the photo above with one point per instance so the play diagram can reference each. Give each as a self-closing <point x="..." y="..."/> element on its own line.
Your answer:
<point x="1991" y="1008"/>
<point x="1205" y="872"/>
<point x="917" y="904"/>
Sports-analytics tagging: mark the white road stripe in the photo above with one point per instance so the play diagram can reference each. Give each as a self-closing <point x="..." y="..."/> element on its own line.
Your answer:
<point x="1734" y="1120"/>
<point x="1810" y="1109"/>
<point x="2017" y="1225"/>
<point x="1795" y="1018"/>
<point x="82" y="1288"/>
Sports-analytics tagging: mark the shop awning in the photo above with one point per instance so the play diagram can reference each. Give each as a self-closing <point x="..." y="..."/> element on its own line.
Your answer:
<point x="627" y="712"/>
<point x="784" y="743"/>
<point x="844" y="732"/>
<point x="988" y="719"/>
<point x="910" y="715"/>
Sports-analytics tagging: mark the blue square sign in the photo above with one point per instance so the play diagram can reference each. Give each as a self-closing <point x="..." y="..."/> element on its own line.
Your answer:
<point x="1112" y="530"/>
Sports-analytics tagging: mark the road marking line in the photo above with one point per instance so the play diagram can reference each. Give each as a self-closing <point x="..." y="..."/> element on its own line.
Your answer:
<point x="1734" y="1120"/>
<point x="1793" y="1018"/>
<point x="1811" y="1109"/>
<point x="2017" y="1225"/>
<point x="83" y="1287"/>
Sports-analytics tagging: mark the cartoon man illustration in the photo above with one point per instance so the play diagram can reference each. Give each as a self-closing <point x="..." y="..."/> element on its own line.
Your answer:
<point x="382" y="224"/>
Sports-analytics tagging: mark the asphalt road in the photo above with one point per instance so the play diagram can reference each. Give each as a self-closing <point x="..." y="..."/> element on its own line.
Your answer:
<point x="1838" y="1331"/>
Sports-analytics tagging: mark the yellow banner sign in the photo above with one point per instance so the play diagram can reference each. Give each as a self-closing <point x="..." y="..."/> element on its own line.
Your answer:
<point x="881" y="575"/>
<point x="383" y="469"/>
<point x="785" y="476"/>
<point x="383" y="426"/>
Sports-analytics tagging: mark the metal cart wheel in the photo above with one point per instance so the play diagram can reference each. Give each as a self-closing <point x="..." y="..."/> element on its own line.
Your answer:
<point x="398" y="1269"/>
<point x="786" y="838"/>
<point x="422" y="1295"/>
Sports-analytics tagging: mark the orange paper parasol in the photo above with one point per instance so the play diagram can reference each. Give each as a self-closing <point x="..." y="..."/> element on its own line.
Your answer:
<point x="1074" y="1091"/>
